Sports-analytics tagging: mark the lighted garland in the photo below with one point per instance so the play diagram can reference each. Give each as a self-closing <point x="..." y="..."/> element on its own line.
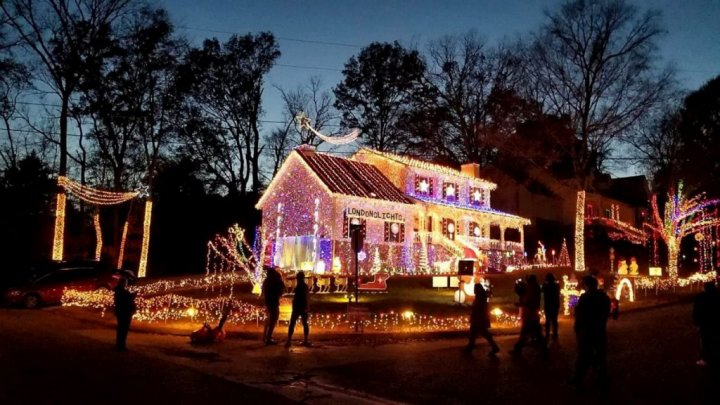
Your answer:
<point x="432" y="167"/>
<point x="95" y="196"/>
<point x="98" y="236"/>
<point x="59" y="229"/>
<point x="100" y="198"/>
<point x="173" y="307"/>
<point x="580" y="232"/>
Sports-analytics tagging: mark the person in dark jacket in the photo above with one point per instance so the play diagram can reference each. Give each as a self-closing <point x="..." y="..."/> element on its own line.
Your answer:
<point x="480" y="321"/>
<point x="530" y="328"/>
<point x="124" y="311"/>
<point x="272" y="289"/>
<point x="706" y="316"/>
<point x="551" y="301"/>
<point x="591" y="316"/>
<point x="300" y="309"/>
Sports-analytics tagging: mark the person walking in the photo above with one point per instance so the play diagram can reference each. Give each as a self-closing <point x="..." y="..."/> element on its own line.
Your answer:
<point x="272" y="289"/>
<point x="551" y="303"/>
<point x="124" y="310"/>
<point x="530" y="328"/>
<point x="480" y="321"/>
<point x="705" y="316"/>
<point x="300" y="309"/>
<point x="591" y="316"/>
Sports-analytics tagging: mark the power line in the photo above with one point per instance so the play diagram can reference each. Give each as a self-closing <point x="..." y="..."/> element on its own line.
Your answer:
<point x="306" y="41"/>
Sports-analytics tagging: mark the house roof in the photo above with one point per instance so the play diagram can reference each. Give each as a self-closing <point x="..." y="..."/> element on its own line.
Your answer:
<point x="349" y="177"/>
<point x="633" y="190"/>
<point x="408" y="161"/>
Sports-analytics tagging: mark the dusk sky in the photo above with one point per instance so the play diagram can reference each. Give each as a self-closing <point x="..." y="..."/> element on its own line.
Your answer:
<point x="336" y="30"/>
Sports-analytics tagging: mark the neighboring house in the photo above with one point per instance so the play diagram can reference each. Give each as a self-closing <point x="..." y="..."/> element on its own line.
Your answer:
<point x="620" y="203"/>
<point x="414" y="215"/>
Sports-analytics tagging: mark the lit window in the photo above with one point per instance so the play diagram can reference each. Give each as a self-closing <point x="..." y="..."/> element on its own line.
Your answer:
<point x="450" y="191"/>
<point x="477" y="197"/>
<point x="449" y="228"/>
<point x="423" y="186"/>
<point x="394" y="232"/>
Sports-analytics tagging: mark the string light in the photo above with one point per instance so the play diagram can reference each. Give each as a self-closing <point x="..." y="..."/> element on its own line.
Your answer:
<point x="436" y="168"/>
<point x="683" y="216"/>
<point x="173" y="307"/>
<point x="95" y="196"/>
<point x="580" y="232"/>
<point x="624" y="282"/>
<point x="380" y="190"/>
<point x="98" y="236"/>
<point x="142" y="266"/>
<point x="59" y="230"/>
<point x="121" y="253"/>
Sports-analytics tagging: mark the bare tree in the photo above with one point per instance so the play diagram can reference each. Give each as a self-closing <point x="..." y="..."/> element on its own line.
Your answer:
<point x="64" y="38"/>
<point x="309" y="99"/>
<point x="656" y="143"/>
<point x="224" y="83"/>
<point x="382" y="86"/>
<point x="593" y="62"/>
<point x="475" y="100"/>
<point x="130" y="100"/>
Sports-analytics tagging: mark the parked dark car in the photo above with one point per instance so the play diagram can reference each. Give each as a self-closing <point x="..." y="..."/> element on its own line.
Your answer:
<point x="50" y="280"/>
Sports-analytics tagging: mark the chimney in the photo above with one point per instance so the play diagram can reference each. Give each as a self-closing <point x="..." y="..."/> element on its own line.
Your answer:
<point x="306" y="149"/>
<point x="470" y="169"/>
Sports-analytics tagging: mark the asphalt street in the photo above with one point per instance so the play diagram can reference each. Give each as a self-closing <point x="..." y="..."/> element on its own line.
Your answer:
<point x="48" y="357"/>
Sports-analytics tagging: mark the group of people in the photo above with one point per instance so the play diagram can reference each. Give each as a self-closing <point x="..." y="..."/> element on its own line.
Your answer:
<point x="592" y="311"/>
<point x="272" y="289"/>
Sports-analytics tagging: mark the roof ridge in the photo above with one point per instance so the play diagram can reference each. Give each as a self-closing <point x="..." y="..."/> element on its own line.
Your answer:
<point x="422" y="164"/>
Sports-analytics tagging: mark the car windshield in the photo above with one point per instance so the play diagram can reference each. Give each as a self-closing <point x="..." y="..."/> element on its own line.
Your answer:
<point x="67" y="274"/>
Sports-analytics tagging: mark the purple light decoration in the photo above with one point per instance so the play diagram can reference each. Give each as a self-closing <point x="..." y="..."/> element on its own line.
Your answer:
<point x="326" y="252"/>
<point x="407" y="259"/>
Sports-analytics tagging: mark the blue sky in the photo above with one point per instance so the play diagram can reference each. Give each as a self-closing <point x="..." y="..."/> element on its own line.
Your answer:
<point x="341" y="28"/>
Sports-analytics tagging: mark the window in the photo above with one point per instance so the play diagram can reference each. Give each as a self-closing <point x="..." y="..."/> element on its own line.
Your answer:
<point x="474" y="229"/>
<point x="589" y="212"/>
<point x="449" y="228"/>
<point x="450" y="191"/>
<point x="423" y="186"/>
<point x="346" y="225"/>
<point x="429" y="223"/>
<point x="608" y="213"/>
<point x="477" y="197"/>
<point x="394" y="232"/>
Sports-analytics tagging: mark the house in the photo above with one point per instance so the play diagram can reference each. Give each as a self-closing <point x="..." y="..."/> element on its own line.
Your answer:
<point x="415" y="216"/>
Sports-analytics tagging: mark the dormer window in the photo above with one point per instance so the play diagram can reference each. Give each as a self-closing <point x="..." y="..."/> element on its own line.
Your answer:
<point x="477" y="197"/>
<point x="450" y="191"/>
<point x="423" y="186"/>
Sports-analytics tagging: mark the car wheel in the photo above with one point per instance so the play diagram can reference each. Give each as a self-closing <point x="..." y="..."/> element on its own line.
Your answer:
<point x="31" y="301"/>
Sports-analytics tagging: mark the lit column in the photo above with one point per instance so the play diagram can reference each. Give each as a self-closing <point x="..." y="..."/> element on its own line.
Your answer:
<point x="59" y="234"/>
<point x="502" y="237"/>
<point x="98" y="236"/>
<point x="121" y="253"/>
<point x="673" y="253"/>
<point x="142" y="267"/>
<point x="580" y="232"/>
